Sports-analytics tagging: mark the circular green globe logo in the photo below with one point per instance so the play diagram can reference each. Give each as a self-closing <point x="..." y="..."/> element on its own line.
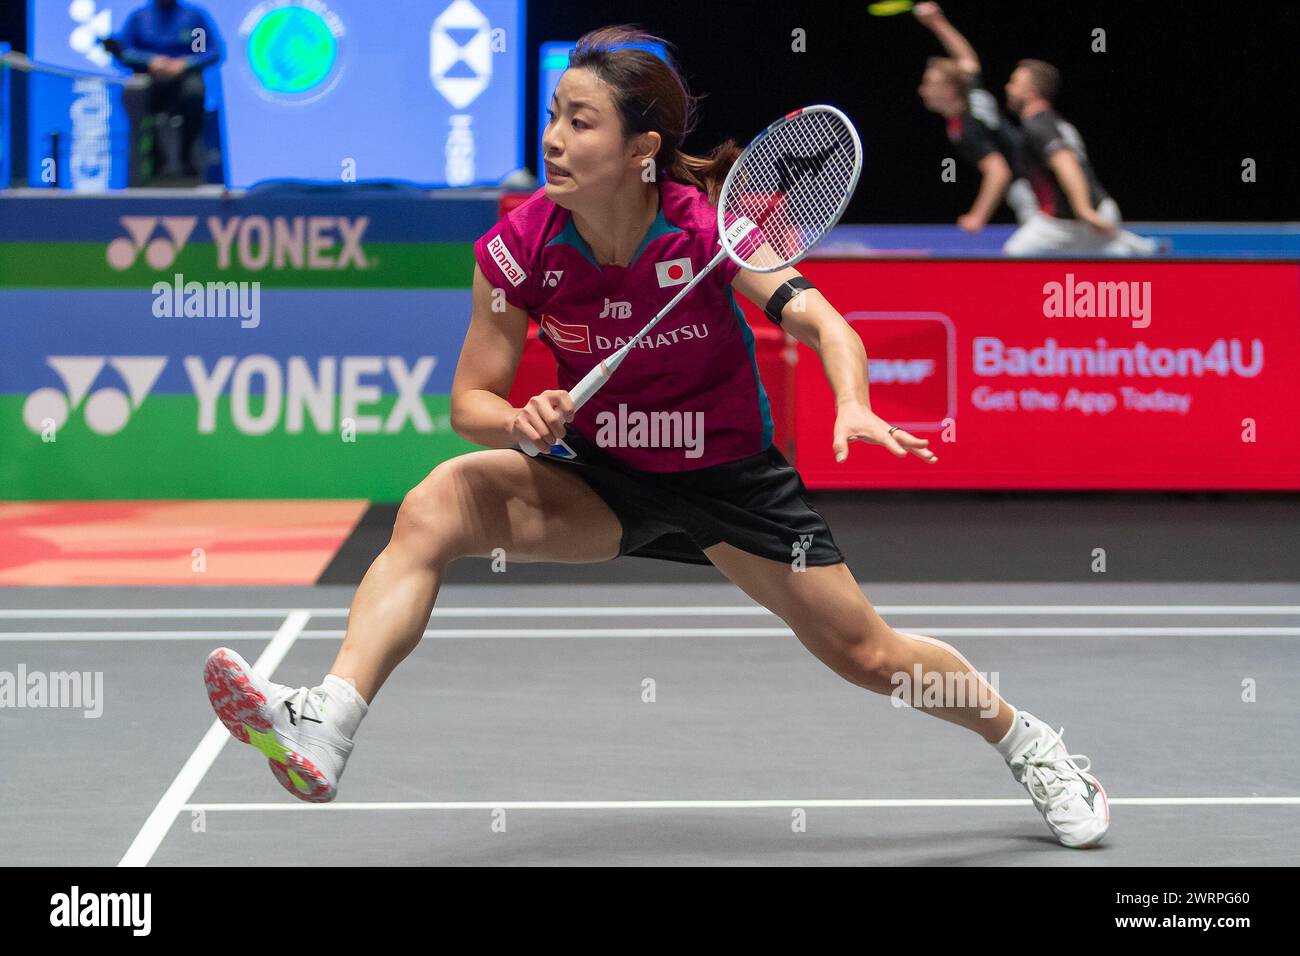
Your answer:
<point x="291" y="50"/>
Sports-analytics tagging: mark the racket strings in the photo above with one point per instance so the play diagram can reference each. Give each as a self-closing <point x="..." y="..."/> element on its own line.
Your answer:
<point x="792" y="183"/>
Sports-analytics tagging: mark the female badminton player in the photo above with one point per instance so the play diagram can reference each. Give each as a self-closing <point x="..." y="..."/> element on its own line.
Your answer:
<point x="624" y="221"/>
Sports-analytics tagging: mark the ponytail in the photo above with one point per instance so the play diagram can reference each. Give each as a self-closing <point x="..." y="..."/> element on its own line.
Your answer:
<point x="706" y="172"/>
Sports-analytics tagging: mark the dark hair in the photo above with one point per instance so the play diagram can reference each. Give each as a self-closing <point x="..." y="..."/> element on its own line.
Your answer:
<point x="1045" y="77"/>
<point x="651" y="96"/>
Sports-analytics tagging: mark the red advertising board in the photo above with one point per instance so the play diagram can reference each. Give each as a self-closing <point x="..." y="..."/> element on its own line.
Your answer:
<point x="1065" y="375"/>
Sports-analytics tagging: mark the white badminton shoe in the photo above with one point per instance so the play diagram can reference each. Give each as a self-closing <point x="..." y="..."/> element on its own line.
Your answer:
<point x="295" y="728"/>
<point x="1070" y="799"/>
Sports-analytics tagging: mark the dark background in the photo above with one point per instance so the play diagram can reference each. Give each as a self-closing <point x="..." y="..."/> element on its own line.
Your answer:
<point x="1184" y="92"/>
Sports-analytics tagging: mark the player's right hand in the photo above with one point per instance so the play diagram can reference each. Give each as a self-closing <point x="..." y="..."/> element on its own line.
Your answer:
<point x="542" y="419"/>
<point x="927" y="12"/>
<point x="969" y="222"/>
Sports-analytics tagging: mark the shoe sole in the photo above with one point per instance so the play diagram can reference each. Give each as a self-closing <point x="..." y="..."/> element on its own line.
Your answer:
<point x="242" y="710"/>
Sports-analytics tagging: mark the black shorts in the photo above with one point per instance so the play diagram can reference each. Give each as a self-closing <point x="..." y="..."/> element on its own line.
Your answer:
<point x="757" y="504"/>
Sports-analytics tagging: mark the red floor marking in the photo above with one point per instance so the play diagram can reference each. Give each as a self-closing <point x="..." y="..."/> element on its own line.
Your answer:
<point x="154" y="542"/>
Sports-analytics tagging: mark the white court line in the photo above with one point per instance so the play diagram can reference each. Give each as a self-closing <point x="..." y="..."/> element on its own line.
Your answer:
<point x="959" y="610"/>
<point x="605" y="633"/>
<point x="155" y="828"/>
<point x="722" y="804"/>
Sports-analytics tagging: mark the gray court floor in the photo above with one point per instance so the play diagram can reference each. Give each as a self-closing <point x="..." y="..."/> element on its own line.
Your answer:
<point x="520" y="731"/>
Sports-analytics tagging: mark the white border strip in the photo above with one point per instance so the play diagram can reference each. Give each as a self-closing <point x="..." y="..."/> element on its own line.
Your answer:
<point x="622" y="610"/>
<point x="721" y="804"/>
<point x="155" y="828"/>
<point x="606" y="633"/>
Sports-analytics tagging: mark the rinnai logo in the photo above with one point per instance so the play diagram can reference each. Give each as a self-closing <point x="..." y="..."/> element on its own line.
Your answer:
<point x="673" y="272"/>
<point x="900" y="371"/>
<point x="512" y="270"/>
<point x="159" y="253"/>
<point x="108" y="409"/>
<point x="256" y="242"/>
<point x="571" y="338"/>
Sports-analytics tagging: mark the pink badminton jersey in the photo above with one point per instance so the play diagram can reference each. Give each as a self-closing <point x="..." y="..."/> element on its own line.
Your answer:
<point x="698" y="361"/>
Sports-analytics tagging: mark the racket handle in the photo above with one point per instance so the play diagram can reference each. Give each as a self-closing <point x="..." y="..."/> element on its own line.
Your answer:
<point x="559" y="450"/>
<point x="598" y="376"/>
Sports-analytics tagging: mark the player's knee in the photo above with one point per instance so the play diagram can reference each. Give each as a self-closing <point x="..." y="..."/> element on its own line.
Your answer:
<point x="432" y="518"/>
<point x="861" y="653"/>
<point x="877" y="661"/>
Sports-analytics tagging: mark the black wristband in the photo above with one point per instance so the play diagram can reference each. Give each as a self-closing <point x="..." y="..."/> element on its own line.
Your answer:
<point x="787" y="291"/>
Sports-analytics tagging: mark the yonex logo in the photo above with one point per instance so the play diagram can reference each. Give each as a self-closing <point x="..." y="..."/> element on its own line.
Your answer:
<point x="251" y="242"/>
<point x="553" y="277"/>
<point x="108" y="409"/>
<point x="159" y="252"/>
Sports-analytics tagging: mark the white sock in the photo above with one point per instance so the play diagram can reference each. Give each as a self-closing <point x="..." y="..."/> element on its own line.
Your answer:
<point x="350" y="707"/>
<point x="1023" y="729"/>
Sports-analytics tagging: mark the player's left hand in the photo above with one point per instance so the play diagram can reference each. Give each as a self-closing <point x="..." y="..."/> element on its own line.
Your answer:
<point x="856" y="422"/>
<point x="969" y="222"/>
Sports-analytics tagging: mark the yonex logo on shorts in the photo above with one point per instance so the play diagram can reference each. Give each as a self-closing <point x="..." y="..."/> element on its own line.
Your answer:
<point x="502" y="257"/>
<point x="160" y="252"/>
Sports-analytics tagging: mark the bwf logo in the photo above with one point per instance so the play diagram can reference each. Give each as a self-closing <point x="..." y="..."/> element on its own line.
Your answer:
<point x="107" y="410"/>
<point x="159" y="252"/>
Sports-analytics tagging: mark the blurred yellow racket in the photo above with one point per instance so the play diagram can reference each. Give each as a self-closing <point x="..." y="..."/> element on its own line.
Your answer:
<point x="887" y="8"/>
